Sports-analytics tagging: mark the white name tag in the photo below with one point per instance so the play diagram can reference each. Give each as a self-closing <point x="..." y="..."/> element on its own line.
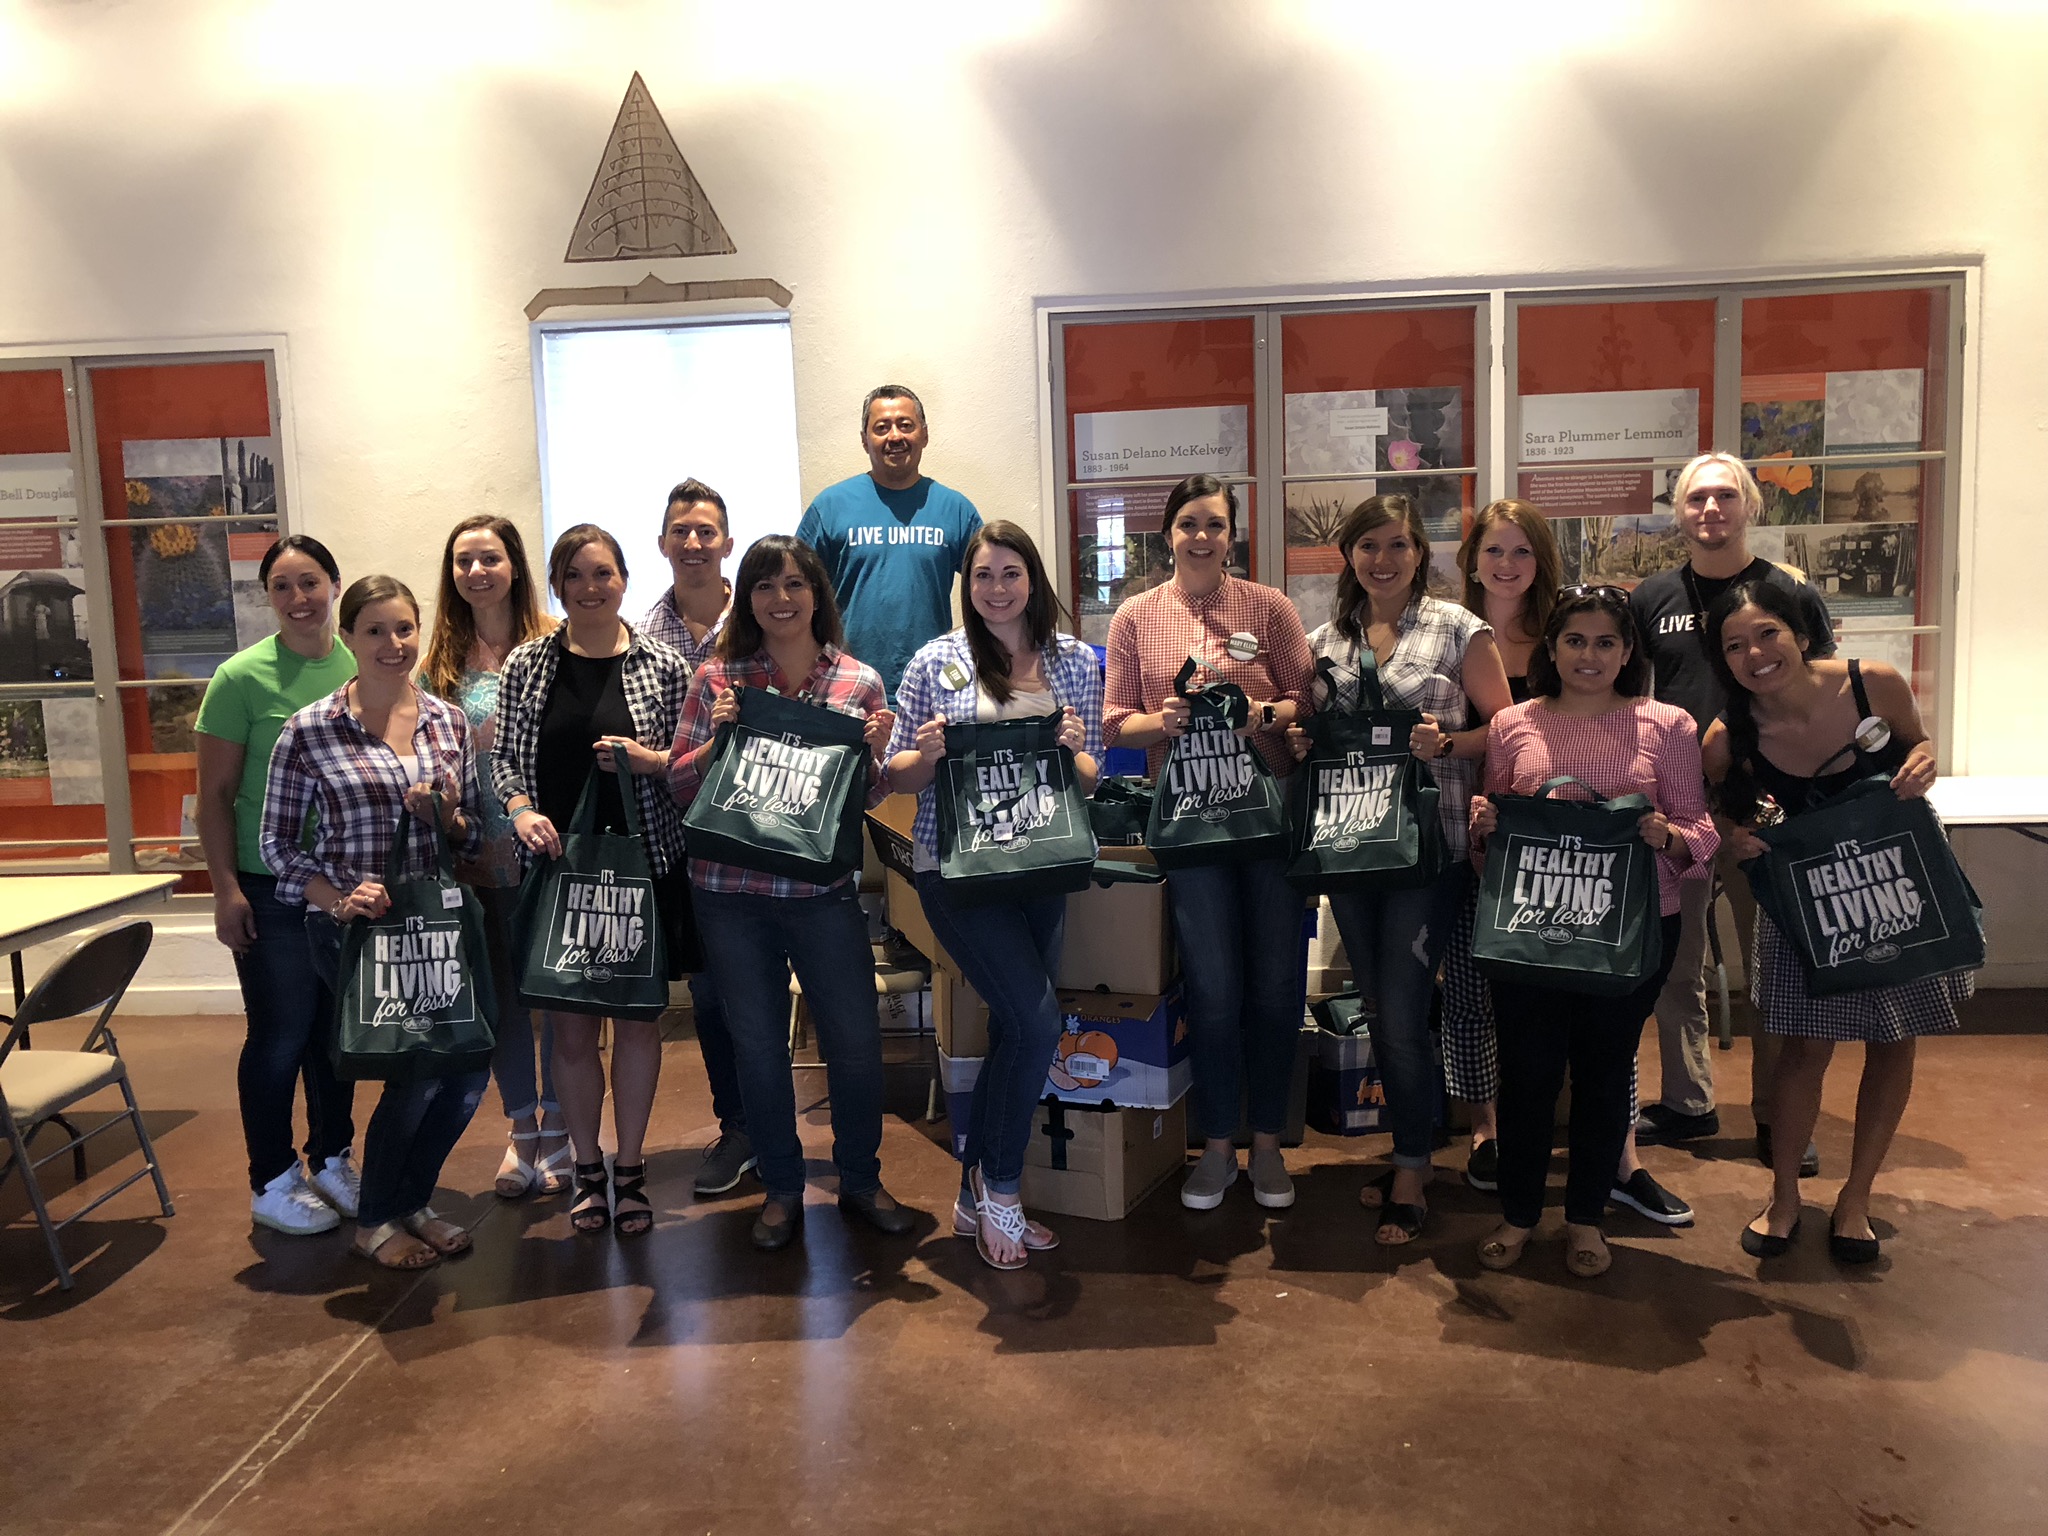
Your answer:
<point x="451" y="896"/>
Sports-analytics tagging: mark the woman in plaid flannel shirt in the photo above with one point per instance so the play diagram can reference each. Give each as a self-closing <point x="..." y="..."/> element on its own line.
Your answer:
<point x="784" y="633"/>
<point x="597" y="690"/>
<point x="1007" y="661"/>
<point x="353" y="759"/>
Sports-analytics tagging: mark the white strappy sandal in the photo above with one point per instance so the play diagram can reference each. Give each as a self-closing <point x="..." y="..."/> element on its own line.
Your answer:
<point x="1038" y="1237"/>
<point x="556" y="1170"/>
<point x="517" y="1174"/>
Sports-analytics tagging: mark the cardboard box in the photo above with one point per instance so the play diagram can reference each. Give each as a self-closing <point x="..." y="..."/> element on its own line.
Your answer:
<point x="1119" y="939"/>
<point x="959" y="1016"/>
<point x="1100" y="1163"/>
<point x="1345" y="1094"/>
<point x="957" y="1077"/>
<point x="1122" y="1049"/>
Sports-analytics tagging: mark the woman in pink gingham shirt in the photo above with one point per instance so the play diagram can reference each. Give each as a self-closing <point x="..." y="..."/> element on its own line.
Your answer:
<point x="1238" y="924"/>
<point x="1588" y="719"/>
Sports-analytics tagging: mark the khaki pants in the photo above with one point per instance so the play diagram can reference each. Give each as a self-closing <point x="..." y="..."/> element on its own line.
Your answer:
<point x="1683" y="1037"/>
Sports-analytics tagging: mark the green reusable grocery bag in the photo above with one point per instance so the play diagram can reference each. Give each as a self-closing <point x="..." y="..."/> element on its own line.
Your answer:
<point x="785" y="793"/>
<point x="1568" y="898"/>
<point x="1867" y="892"/>
<point x="1119" y="810"/>
<point x="414" y="996"/>
<point x="1216" y="800"/>
<point x="1013" y="823"/>
<point x="1362" y="809"/>
<point x="588" y="923"/>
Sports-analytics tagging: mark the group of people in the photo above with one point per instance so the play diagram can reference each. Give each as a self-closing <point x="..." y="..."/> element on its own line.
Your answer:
<point x="1706" y="690"/>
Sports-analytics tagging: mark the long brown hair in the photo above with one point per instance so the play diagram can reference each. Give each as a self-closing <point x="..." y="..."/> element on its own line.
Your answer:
<point x="1542" y="594"/>
<point x="742" y="636"/>
<point x="455" y="621"/>
<point x="1351" y="606"/>
<point x="1042" y="611"/>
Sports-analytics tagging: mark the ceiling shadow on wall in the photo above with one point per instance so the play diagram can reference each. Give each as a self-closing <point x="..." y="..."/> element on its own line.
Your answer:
<point x="1721" y="148"/>
<point x="1134" y="165"/>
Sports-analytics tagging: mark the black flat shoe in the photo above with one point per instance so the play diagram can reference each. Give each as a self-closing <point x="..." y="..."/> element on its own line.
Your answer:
<point x="1764" y="1245"/>
<point x="1482" y="1170"/>
<point x="1853" y="1250"/>
<point x="772" y="1237"/>
<point x="894" y="1218"/>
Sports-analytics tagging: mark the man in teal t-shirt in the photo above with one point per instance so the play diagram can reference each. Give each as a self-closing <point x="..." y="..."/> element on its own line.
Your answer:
<point x="891" y="539"/>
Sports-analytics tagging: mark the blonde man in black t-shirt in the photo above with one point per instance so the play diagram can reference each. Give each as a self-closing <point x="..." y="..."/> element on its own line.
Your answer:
<point x="1716" y="498"/>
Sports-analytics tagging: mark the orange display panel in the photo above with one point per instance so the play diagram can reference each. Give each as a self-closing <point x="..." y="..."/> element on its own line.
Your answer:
<point x="32" y="416"/>
<point x="1585" y="349"/>
<point x="1344" y="351"/>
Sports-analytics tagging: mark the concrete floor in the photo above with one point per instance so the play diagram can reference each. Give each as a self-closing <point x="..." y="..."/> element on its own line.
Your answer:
<point x="1220" y="1372"/>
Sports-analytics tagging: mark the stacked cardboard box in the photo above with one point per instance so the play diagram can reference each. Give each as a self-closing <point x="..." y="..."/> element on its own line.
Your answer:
<point x="1122" y="1071"/>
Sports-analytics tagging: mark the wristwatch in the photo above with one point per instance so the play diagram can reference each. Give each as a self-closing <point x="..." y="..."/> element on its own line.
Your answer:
<point x="1268" y="714"/>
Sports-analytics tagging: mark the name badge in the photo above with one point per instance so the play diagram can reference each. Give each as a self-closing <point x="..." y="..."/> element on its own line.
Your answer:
<point x="1242" y="646"/>
<point x="953" y="675"/>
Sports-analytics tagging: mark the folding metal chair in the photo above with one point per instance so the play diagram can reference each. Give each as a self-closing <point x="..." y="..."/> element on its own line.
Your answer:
<point x="36" y="1086"/>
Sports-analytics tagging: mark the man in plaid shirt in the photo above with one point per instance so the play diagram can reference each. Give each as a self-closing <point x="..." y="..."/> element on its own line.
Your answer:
<point x="696" y="540"/>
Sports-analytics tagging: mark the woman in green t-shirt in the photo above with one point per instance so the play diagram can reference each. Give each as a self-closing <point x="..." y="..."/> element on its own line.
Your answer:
<point x="251" y="696"/>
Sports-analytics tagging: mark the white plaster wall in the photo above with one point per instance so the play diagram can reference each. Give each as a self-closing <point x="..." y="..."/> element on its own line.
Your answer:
<point x="385" y="185"/>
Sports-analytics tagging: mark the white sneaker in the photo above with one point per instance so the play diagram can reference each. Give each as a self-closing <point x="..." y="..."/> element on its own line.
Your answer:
<point x="340" y="1183"/>
<point x="288" y="1204"/>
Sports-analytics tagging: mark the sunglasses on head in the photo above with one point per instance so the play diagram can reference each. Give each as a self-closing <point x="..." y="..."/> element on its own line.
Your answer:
<point x="1594" y="589"/>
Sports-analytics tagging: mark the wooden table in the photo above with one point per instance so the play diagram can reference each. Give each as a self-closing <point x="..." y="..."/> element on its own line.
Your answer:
<point x="37" y="908"/>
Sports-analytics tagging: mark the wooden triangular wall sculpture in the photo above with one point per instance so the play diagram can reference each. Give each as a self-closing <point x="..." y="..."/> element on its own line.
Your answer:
<point x="645" y="201"/>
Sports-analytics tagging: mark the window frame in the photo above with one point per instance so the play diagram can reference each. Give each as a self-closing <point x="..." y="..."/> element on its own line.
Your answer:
<point x="76" y="362"/>
<point x="1497" y="408"/>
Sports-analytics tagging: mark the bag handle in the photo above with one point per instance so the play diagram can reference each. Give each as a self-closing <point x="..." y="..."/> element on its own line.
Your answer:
<point x="1372" y="693"/>
<point x="585" y="817"/>
<point x="401" y="844"/>
<point x="1629" y="802"/>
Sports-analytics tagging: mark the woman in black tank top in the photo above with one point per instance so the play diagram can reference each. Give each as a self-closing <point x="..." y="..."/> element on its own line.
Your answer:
<point x="1790" y="738"/>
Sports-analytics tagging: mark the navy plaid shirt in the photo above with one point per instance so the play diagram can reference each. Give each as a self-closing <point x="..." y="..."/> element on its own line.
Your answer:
<point x="666" y="625"/>
<point x="653" y="676"/>
<point x="326" y="761"/>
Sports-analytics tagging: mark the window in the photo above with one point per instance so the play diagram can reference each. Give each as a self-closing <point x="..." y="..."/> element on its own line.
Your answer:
<point x="628" y="410"/>
<point x="137" y="497"/>
<point x="1839" y="395"/>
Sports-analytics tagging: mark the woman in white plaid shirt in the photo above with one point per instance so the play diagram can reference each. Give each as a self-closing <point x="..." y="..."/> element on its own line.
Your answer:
<point x="1430" y="655"/>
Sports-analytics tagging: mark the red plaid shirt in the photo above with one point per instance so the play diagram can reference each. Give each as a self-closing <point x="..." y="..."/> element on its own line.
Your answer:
<point x="1156" y="631"/>
<point x="326" y="761"/>
<point x="836" y="682"/>
<point x="1642" y="748"/>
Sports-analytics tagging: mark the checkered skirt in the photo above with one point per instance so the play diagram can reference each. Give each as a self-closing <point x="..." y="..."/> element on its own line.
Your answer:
<point x="1879" y="1016"/>
<point x="1471" y="1049"/>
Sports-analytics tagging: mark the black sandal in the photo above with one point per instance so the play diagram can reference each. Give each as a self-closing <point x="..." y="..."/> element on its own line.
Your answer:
<point x="1393" y="1213"/>
<point x="592" y="1210"/>
<point x="629" y="1182"/>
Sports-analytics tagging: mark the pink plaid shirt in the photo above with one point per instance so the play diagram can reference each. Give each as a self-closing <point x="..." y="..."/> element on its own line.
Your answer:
<point x="1156" y="631"/>
<point x="836" y="682"/>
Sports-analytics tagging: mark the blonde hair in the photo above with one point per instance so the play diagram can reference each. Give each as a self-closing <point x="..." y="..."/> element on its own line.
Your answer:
<point x="1746" y="489"/>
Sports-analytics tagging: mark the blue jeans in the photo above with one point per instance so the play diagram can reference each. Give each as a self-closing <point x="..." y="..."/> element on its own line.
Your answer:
<point x="714" y="1039"/>
<point x="1395" y="941"/>
<point x="415" y="1125"/>
<point x="1010" y="953"/>
<point x="291" y="1022"/>
<point x="520" y="1092"/>
<point x="1239" y="931"/>
<point x="752" y="943"/>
